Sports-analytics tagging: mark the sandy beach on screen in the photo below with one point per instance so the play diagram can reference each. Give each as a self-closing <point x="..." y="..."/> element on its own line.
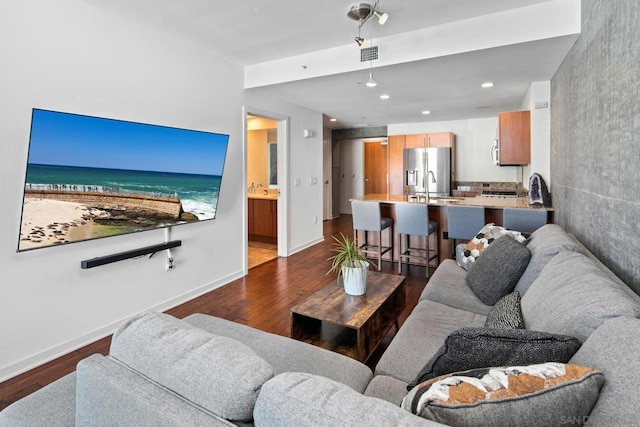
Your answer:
<point x="46" y="222"/>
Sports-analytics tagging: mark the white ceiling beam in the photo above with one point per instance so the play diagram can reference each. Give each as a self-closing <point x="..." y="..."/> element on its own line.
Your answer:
<point x="536" y="22"/>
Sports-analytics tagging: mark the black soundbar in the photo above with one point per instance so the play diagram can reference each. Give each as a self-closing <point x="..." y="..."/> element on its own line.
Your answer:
<point x="96" y="262"/>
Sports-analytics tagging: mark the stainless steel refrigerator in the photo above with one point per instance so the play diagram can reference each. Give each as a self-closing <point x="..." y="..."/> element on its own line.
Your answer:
<point x="427" y="170"/>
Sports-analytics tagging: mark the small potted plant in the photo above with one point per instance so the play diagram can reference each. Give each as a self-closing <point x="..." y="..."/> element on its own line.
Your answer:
<point x="349" y="263"/>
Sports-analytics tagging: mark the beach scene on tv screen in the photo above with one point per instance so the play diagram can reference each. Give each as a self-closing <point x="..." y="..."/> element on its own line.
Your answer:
<point x="91" y="177"/>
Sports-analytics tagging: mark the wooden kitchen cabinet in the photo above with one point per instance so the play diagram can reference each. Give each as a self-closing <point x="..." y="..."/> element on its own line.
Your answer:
<point x="263" y="220"/>
<point x="430" y="140"/>
<point x="415" y="140"/>
<point x="396" y="169"/>
<point x="514" y="138"/>
<point x="444" y="139"/>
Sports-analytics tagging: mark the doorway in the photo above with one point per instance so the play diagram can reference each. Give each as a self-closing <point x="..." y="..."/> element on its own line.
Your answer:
<point x="264" y="142"/>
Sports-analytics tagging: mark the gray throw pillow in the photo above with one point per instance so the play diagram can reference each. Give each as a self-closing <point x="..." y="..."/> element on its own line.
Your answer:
<point x="507" y="313"/>
<point x="472" y="348"/>
<point x="497" y="271"/>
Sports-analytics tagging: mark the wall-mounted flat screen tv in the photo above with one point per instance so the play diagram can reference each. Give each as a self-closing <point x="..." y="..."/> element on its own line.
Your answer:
<point x="91" y="177"/>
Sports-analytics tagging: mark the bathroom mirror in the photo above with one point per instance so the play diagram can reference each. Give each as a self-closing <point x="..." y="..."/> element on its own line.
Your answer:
<point x="272" y="157"/>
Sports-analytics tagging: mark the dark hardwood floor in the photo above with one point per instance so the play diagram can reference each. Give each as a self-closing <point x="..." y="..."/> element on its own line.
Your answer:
<point x="262" y="299"/>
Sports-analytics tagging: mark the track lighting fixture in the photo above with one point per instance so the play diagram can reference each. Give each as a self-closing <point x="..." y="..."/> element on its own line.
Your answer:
<point x="363" y="11"/>
<point x="360" y="41"/>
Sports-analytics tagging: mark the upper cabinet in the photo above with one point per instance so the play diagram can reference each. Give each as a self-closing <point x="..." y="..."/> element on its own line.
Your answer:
<point x="443" y="139"/>
<point x="514" y="138"/>
<point x="430" y="140"/>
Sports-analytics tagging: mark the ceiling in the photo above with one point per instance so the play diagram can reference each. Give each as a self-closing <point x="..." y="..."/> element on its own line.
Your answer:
<point x="255" y="33"/>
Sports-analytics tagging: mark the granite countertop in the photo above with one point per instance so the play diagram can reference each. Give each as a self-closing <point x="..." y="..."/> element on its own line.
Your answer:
<point x="486" y="202"/>
<point x="261" y="195"/>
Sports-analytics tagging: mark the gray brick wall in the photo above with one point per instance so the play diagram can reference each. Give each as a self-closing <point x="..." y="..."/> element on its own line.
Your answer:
<point x="595" y="136"/>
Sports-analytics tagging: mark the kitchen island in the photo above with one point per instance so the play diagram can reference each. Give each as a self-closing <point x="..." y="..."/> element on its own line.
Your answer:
<point x="438" y="212"/>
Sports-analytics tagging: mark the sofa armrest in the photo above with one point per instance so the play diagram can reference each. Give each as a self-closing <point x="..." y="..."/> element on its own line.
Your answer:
<point x="108" y="393"/>
<point x="301" y="399"/>
<point x="51" y="406"/>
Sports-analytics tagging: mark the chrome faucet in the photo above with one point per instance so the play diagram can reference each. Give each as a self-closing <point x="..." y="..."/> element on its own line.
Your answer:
<point x="433" y="177"/>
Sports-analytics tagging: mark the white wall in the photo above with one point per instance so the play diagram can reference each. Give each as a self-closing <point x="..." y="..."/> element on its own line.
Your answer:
<point x="540" y="131"/>
<point x="68" y="56"/>
<point x="303" y="159"/>
<point x="473" y="143"/>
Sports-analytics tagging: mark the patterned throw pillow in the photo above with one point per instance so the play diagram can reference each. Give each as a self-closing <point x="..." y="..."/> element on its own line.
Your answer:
<point x="536" y="395"/>
<point x="506" y="313"/>
<point x="475" y="348"/>
<point x="476" y="246"/>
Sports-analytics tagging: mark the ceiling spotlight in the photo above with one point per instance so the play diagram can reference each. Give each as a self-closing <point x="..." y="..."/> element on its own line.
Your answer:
<point x="385" y="96"/>
<point x="487" y="85"/>
<point x="361" y="41"/>
<point x="426" y="112"/>
<point x="333" y="120"/>
<point x="382" y="17"/>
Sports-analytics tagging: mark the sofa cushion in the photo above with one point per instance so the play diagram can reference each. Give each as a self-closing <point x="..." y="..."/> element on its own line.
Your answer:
<point x="548" y="394"/>
<point x="471" y="348"/>
<point x="301" y="399"/>
<point x="421" y="336"/>
<point x="482" y="240"/>
<point x="108" y="393"/>
<point x="613" y="349"/>
<point x="448" y="286"/>
<point x="507" y="313"/>
<point x="287" y="355"/>
<point x="573" y="296"/>
<point x="217" y="373"/>
<point x="545" y="243"/>
<point x="387" y="388"/>
<point x="496" y="273"/>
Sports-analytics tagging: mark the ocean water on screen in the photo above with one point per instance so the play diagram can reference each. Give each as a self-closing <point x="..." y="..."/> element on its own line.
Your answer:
<point x="198" y="193"/>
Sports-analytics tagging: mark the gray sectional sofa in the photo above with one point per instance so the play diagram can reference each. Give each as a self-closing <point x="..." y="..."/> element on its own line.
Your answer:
<point x="203" y="370"/>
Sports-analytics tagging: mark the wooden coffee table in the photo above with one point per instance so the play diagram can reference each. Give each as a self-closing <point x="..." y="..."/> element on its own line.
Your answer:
<point x="347" y="324"/>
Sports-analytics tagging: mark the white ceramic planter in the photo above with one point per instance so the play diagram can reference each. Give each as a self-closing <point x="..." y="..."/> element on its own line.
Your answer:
<point x="355" y="279"/>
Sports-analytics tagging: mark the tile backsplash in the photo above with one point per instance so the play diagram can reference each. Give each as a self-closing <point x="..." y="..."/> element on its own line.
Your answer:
<point x="479" y="186"/>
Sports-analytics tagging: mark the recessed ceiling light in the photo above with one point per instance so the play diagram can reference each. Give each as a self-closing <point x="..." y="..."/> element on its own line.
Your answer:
<point x="333" y="120"/>
<point x="426" y="112"/>
<point x="385" y="96"/>
<point x="487" y="84"/>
